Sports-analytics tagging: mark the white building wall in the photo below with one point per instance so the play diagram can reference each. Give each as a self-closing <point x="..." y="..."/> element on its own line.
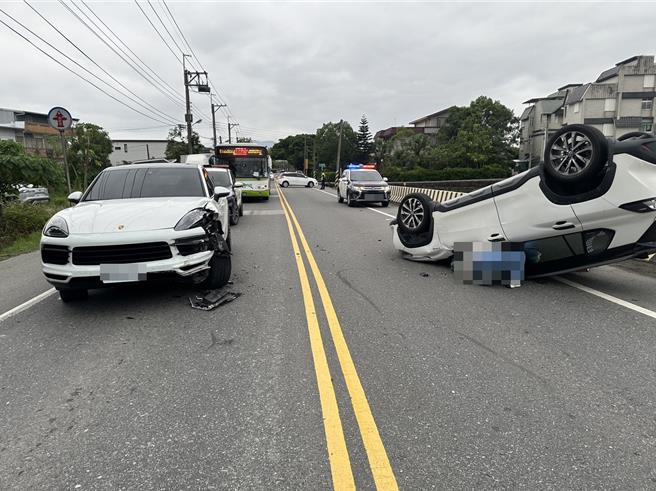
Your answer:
<point x="7" y="134"/>
<point x="129" y="150"/>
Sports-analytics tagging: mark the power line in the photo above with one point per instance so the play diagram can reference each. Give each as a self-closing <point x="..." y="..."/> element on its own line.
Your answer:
<point x="128" y="62"/>
<point x="146" y="105"/>
<point x="80" y="76"/>
<point x="218" y="94"/>
<point x="158" y="33"/>
<point x="128" y="48"/>
<point x="164" y="40"/>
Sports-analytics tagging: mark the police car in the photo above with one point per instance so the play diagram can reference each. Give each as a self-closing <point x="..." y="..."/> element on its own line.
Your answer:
<point x="362" y="184"/>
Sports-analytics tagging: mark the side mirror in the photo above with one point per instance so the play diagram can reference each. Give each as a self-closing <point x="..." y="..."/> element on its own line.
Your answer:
<point x="238" y="184"/>
<point x="385" y="179"/>
<point x="74" y="197"/>
<point x="221" y="192"/>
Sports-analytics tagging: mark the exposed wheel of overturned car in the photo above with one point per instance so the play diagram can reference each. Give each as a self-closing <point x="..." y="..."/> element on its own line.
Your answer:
<point x="415" y="213"/>
<point x="575" y="153"/>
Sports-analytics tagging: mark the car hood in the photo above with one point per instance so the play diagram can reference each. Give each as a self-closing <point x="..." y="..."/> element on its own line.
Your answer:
<point x="128" y="215"/>
<point x="369" y="183"/>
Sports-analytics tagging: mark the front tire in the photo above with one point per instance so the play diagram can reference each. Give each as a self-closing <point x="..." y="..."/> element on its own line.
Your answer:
<point x="384" y="204"/>
<point x="575" y="153"/>
<point x="310" y="184"/>
<point x="220" y="270"/>
<point x="349" y="201"/>
<point x="284" y="184"/>
<point x="415" y="213"/>
<point x="68" y="295"/>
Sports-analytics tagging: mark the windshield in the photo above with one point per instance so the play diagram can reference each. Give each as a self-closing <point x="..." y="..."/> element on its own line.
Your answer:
<point x="365" y="175"/>
<point x="250" y="167"/>
<point x="220" y="177"/>
<point x="146" y="183"/>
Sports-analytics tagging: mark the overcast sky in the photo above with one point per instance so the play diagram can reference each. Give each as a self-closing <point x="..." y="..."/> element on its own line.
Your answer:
<point x="288" y="67"/>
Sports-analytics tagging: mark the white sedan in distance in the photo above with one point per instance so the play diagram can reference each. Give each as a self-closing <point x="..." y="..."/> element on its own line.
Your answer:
<point x="297" y="178"/>
<point x="139" y="222"/>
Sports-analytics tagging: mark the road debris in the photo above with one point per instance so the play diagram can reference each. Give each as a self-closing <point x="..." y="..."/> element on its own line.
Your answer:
<point x="212" y="299"/>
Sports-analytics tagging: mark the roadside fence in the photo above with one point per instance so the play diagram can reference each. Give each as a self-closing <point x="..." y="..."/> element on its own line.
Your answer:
<point x="439" y="195"/>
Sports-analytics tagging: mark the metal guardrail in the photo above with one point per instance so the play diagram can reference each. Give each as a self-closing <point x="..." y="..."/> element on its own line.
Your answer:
<point x="439" y="195"/>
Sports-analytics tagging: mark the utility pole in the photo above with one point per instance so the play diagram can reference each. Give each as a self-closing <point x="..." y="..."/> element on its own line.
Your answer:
<point x="214" y="108"/>
<point x="230" y="126"/>
<point x="193" y="79"/>
<point x="305" y="155"/>
<point x="339" y="147"/>
<point x="188" y="116"/>
<point x="314" y="155"/>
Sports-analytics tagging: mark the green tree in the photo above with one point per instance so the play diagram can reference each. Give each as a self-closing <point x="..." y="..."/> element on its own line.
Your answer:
<point x="484" y="133"/>
<point x="363" y="142"/>
<point x="177" y="144"/>
<point x="292" y="149"/>
<point x="88" y="153"/>
<point x="16" y="167"/>
<point x="327" y="142"/>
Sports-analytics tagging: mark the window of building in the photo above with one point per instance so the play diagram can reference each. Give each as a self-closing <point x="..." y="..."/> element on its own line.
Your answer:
<point x="649" y="81"/>
<point x="577" y="107"/>
<point x="647" y="126"/>
<point x="125" y="147"/>
<point x="609" y="105"/>
<point x="647" y="103"/>
<point x="117" y="148"/>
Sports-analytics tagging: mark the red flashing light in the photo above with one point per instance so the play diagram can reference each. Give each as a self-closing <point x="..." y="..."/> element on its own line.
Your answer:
<point x="369" y="166"/>
<point x="241" y="151"/>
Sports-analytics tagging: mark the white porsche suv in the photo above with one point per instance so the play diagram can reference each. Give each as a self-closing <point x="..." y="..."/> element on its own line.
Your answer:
<point x="136" y="223"/>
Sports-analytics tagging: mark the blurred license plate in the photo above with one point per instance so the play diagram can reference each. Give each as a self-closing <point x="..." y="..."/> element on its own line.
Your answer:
<point x="121" y="273"/>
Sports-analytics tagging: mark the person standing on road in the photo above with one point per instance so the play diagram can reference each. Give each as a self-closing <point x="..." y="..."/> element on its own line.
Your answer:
<point x="323" y="180"/>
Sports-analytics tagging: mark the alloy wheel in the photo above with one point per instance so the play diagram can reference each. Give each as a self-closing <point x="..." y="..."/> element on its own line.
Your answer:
<point x="412" y="213"/>
<point x="571" y="153"/>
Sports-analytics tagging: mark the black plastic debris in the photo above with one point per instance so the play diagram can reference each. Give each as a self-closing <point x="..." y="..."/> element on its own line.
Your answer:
<point x="425" y="275"/>
<point x="212" y="299"/>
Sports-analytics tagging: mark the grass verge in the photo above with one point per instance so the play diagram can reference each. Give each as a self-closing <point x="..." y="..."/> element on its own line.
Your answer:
<point x="26" y="243"/>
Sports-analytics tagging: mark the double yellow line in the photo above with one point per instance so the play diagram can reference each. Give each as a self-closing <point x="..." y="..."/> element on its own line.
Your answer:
<point x="340" y="463"/>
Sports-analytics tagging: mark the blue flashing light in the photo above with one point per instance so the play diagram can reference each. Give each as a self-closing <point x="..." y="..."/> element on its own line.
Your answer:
<point x="354" y="166"/>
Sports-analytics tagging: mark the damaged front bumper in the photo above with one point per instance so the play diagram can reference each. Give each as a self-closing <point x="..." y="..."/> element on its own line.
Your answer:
<point x="190" y="253"/>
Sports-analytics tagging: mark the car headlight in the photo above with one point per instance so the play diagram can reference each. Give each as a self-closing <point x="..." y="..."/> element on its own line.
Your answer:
<point x="358" y="188"/>
<point x="191" y="220"/>
<point x="56" y="227"/>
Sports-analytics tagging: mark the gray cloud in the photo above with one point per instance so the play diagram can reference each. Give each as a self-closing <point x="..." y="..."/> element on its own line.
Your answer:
<point x="288" y="67"/>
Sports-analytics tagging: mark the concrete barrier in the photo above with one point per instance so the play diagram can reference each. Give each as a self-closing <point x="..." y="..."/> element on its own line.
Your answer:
<point x="439" y="195"/>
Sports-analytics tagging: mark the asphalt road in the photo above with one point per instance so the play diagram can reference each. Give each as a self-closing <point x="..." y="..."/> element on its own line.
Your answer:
<point x="416" y="381"/>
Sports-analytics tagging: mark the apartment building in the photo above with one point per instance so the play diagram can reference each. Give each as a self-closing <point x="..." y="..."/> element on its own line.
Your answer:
<point x="619" y="101"/>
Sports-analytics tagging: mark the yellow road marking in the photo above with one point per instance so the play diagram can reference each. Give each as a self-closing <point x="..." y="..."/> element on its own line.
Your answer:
<point x="378" y="460"/>
<point x="340" y="464"/>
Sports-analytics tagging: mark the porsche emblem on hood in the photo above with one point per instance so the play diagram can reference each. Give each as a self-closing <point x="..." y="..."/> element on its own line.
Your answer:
<point x="121" y="227"/>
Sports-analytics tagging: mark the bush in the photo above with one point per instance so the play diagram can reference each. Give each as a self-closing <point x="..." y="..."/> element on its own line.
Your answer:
<point x="19" y="219"/>
<point x="396" y="174"/>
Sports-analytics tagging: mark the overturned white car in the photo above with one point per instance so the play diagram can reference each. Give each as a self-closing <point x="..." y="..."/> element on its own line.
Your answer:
<point x="591" y="202"/>
<point x="139" y="222"/>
